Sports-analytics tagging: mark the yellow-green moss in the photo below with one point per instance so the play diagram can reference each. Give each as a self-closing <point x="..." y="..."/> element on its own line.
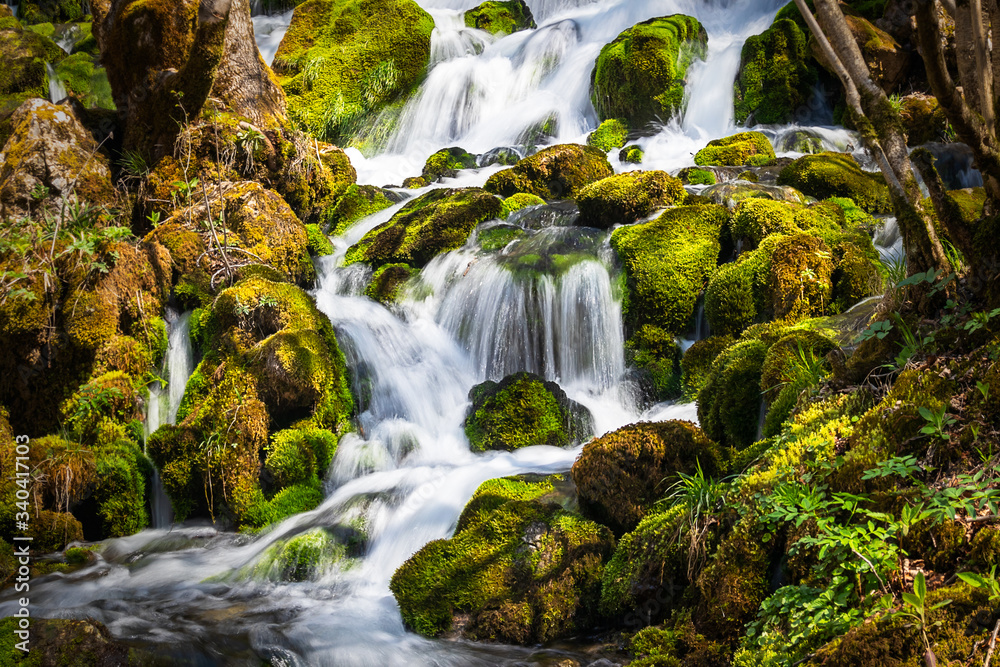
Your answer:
<point x="558" y="172"/>
<point x="746" y="148"/>
<point x="838" y="175"/>
<point x="500" y="16"/>
<point x="624" y="198"/>
<point x="610" y="134"/>
<point x="776" y="76"/>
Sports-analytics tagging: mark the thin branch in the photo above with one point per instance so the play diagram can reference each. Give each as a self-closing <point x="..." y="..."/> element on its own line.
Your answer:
<point x="993" y="643"/>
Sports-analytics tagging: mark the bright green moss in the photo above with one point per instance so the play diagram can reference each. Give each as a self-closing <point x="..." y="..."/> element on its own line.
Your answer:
<point x="755" y="219"/>
<point x="446" y="163"/>
<point x="610" y="134"/>
<point x="619" y="476"/>
<point x="630" y="155"/>
<point x="697" y="361"/>
<point x="776" y="75"/>
<point x="435" y="222"/>
<point x="667" y="262"/>
<point x="519" y="201"/>
<point x="357" y="201"/>
<point x="557" y="172"/>
<point x="86" y="80"/>
<point x="300" y="455"/>
<point x="499" y="16"/>
<point x="729" y="402"/>
<point x="343" y="61"/>
<point x="290" y="500"/>
<point x="387" y="280"/>
<point x="624" y="198"/>
<point x="743" y="149"/>
<point x="522" y="410"/>
<point x="319" y="244"/>
<point x="522" y="572"/>
<point x="494" y="493"/>
<point x="800" y="284"/>
<point x="121" y="491"/>
<point x="639" y="77"/>
<point x="304" y="557"/>
<point x="837" y="175"/>
<point x="655" y="352"/>
<point x="731" y="299"/>
<point x="693" y="176"/>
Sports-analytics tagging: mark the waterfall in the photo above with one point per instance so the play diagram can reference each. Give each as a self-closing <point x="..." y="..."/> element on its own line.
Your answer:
<point x="57" y="91"/>
<point x="269" y="30"/>
<point x="178" y="365"/>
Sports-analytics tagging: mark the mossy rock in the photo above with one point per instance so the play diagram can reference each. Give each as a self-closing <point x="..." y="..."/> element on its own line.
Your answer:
<point x="305" y="557"/>
<point x="558" y="172"/>
<point x="697" y="361"/>
<point x="639" y="77"/>
<point x="57" y="641"/>
<point x="51" y="11"/>
<point x="631" y="155"/>
<point x="754" y="219"/>
<point x="776" y="76"/>
<point x="624" y="198"/>
<point x="344" y="61"/>
<point x="356" y="202"/>
<point x="667" y="263"/>
<point x="435" y="222"/>
<point x="611" y="134"/>
<point x="729" y="402"/>
<point x="387" y="281"/>
<point x="519" y="201"/>
<point x="518" y="570"/>
<point x="751" y="149"/>
<point x="838" y="175"/>
<point x="801" y="141"/>
<point x="300" y="455"/>
<point x="446" y="163"/>
<point x="923" y="118"/>
<point x="695" y="176"/>
<point x="86" y="80"/>
<point x="521" y="410"/>
<point x="501" y="16"/>
<point x="621" y="475"/>
<point x="800" y="285"/>
<point x="657" y="355"/>
<point x="25" y="54"/>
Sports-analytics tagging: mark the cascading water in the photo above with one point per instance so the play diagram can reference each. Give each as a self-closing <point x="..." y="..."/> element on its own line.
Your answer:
<point x="57" y="91"/>
<point x="163" y="404"/>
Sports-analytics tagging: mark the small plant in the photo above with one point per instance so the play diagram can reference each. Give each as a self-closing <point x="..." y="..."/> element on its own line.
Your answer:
<point x="898" y="466"/>
<point x="154" y="219"/>
<point x="988" y="582"/>
<point x="879" y="330"/>
<point x="134" y="165"/>
<point x="937" y="421"/>
<point x="186" y="189"/>
<point x="39" y="192"/>
<point x="914" y="607"/>
<point x="980" y="320"/>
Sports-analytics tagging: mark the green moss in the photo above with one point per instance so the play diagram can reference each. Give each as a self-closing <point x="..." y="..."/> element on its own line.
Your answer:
<point x="356" y="202"/>
<point x="300" y="455"/>
<point x="697" y="361"/>
<point x="837" y="175"/>
<point x="777" y="75"/>
<point x="557" y="172"/>
<point x="610" y="134"/>
<point x="521" y="571"/>
<point x="446" y="163"/>
<point x="639" y="77"/>
<point x="521" y="410"/>
<point x="624" y="198"/>
<point x="56" y="641"/>
<point x="755" y="219"/>
<point x="319" y="244"/>
<point x="667" y="263"/>
<point x="729" y="402"/>
<point x="693" y="176"/>
<point x="519" y="201"/>
<point x="630" y="155"/>
<point x="655" y="352"/>
<point x="121" y="491"/>
<point x="304" y="557"/>
<point x="621" y="475"/>
<point x="746" y="148"/>
<point x="49" y="11"/>
<point x="984" y="550"/>
<point x="343" y="61"/>
<point x="499" y="16"/>
<point x="85" y="79"/>
<point x="290" y="500"/>
<point x="388" y="280"/>
<point x="435" y="222"/>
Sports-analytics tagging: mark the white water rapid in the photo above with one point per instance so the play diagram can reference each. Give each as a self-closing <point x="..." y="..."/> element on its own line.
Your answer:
<point x="57" y="91"/>
<point x="407" y="471"/>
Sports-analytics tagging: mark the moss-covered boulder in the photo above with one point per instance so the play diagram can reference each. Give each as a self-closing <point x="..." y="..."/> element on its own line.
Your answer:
<point x="57" y="641"/>
<point x="50" y="155"/>
<point x="342" y="62"/>
<point x="619" y="476"/>
<point x="446" y="163"/>
<point x="353" y="204"/>
<point x="388" y="280"/>
<point x="744" y="149"/>
<point x="695" y="176"/>
<point x="558" y="172"/>
<point x="776" y="76"/>
<point x="923" y="118"/>
<point x="86" y="80"/>
<point x="624" y="198"/>
<point x="612" y="133"/>
<point x="838" y="175"/>
<point x="435" y="222"/>
<point x="729" y="403"/>
<point x="639" y="77"/>
<point x="517" y="202"/>
<point x="697" y="362"/>
<point x="667" y="263"/>
<point x="24" y="54"/>
<point x="51" y="11"/>
<point x="500" y="16"/>
<point x="521" y="410"/>
<point x="519" y="570"/>
<point x="656" y="354"/>
<point x="631" y="155"/>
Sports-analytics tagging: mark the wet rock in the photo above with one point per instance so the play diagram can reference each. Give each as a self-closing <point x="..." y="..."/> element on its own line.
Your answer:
<point x="554" y="173"/>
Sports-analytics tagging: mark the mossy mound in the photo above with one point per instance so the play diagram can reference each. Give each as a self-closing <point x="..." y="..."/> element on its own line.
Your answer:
<point x="751" y="149"/>
<point x="837" y="175"/>
<point x="56" y="641"/>
<point x="697" y="361"/>
<point x="501" y="16"/>
<point x="667" y="262"/>
<point x="639" y="77"/>
<point x="24" y="54"/>
<point x="435" y="222"/>
<point x="612" y="133"/>
<point x="86" y="80"/>
<point x="621" y="475"/>
<point x="776" y="76"/>
<point x="305" y="557"/>
<point x="694" y="176"/>
<point x="631" y="155"/>
<point x="558" y="172"/>
<point x="344" y="61"/>
<point x="923" y="118"/>
<point x="519" y="201"/>
<point x="624" y="198"/>
<point x="356" y="202"/>
<point x="657" y="355"/>
<point x="446" y="163"/>
<point x="518" y="570"/>
<point x="387" y="280"/>
<point x="729" y="403"/>
<point x="521" y="410"/>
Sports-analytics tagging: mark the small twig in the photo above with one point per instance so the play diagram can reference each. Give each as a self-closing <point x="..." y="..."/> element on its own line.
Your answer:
<point x="993" y="643"/>
<point x="211" y="224"/>
<point x="230" y="247"/>
<point x="874" y="571"/>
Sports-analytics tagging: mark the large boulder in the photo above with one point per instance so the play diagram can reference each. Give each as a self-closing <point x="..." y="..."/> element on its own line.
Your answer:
<point x="776" y="75"/>
<point x="729" y="402"/>
<point x="435" y="222"/>
<point x="667" y="263"/>
<point x="342" y="62"/>
<point x="624" y="198"/>
<point x="500" y="17"/>
<point x="558" y="172"/>
<point x="48" y="157"/>
<point x="838" y="175"/>
<point x="744" y="149"/>
<point x="24" y="54"/>
<point x="639" y="76"/>
<point x="521" y="410"/>
<point x="621" y="475"/>
<point x="519" y="570"/>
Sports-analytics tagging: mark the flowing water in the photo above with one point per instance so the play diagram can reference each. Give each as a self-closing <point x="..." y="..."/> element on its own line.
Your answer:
<point x="57" y="91"/>
<point x="547" y="302"/>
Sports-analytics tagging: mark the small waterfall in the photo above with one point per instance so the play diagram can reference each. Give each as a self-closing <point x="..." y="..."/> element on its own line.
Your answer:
<point x="57" y="91"/>
<point x="269" y="30"/>
<point x="178" y="365"/>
